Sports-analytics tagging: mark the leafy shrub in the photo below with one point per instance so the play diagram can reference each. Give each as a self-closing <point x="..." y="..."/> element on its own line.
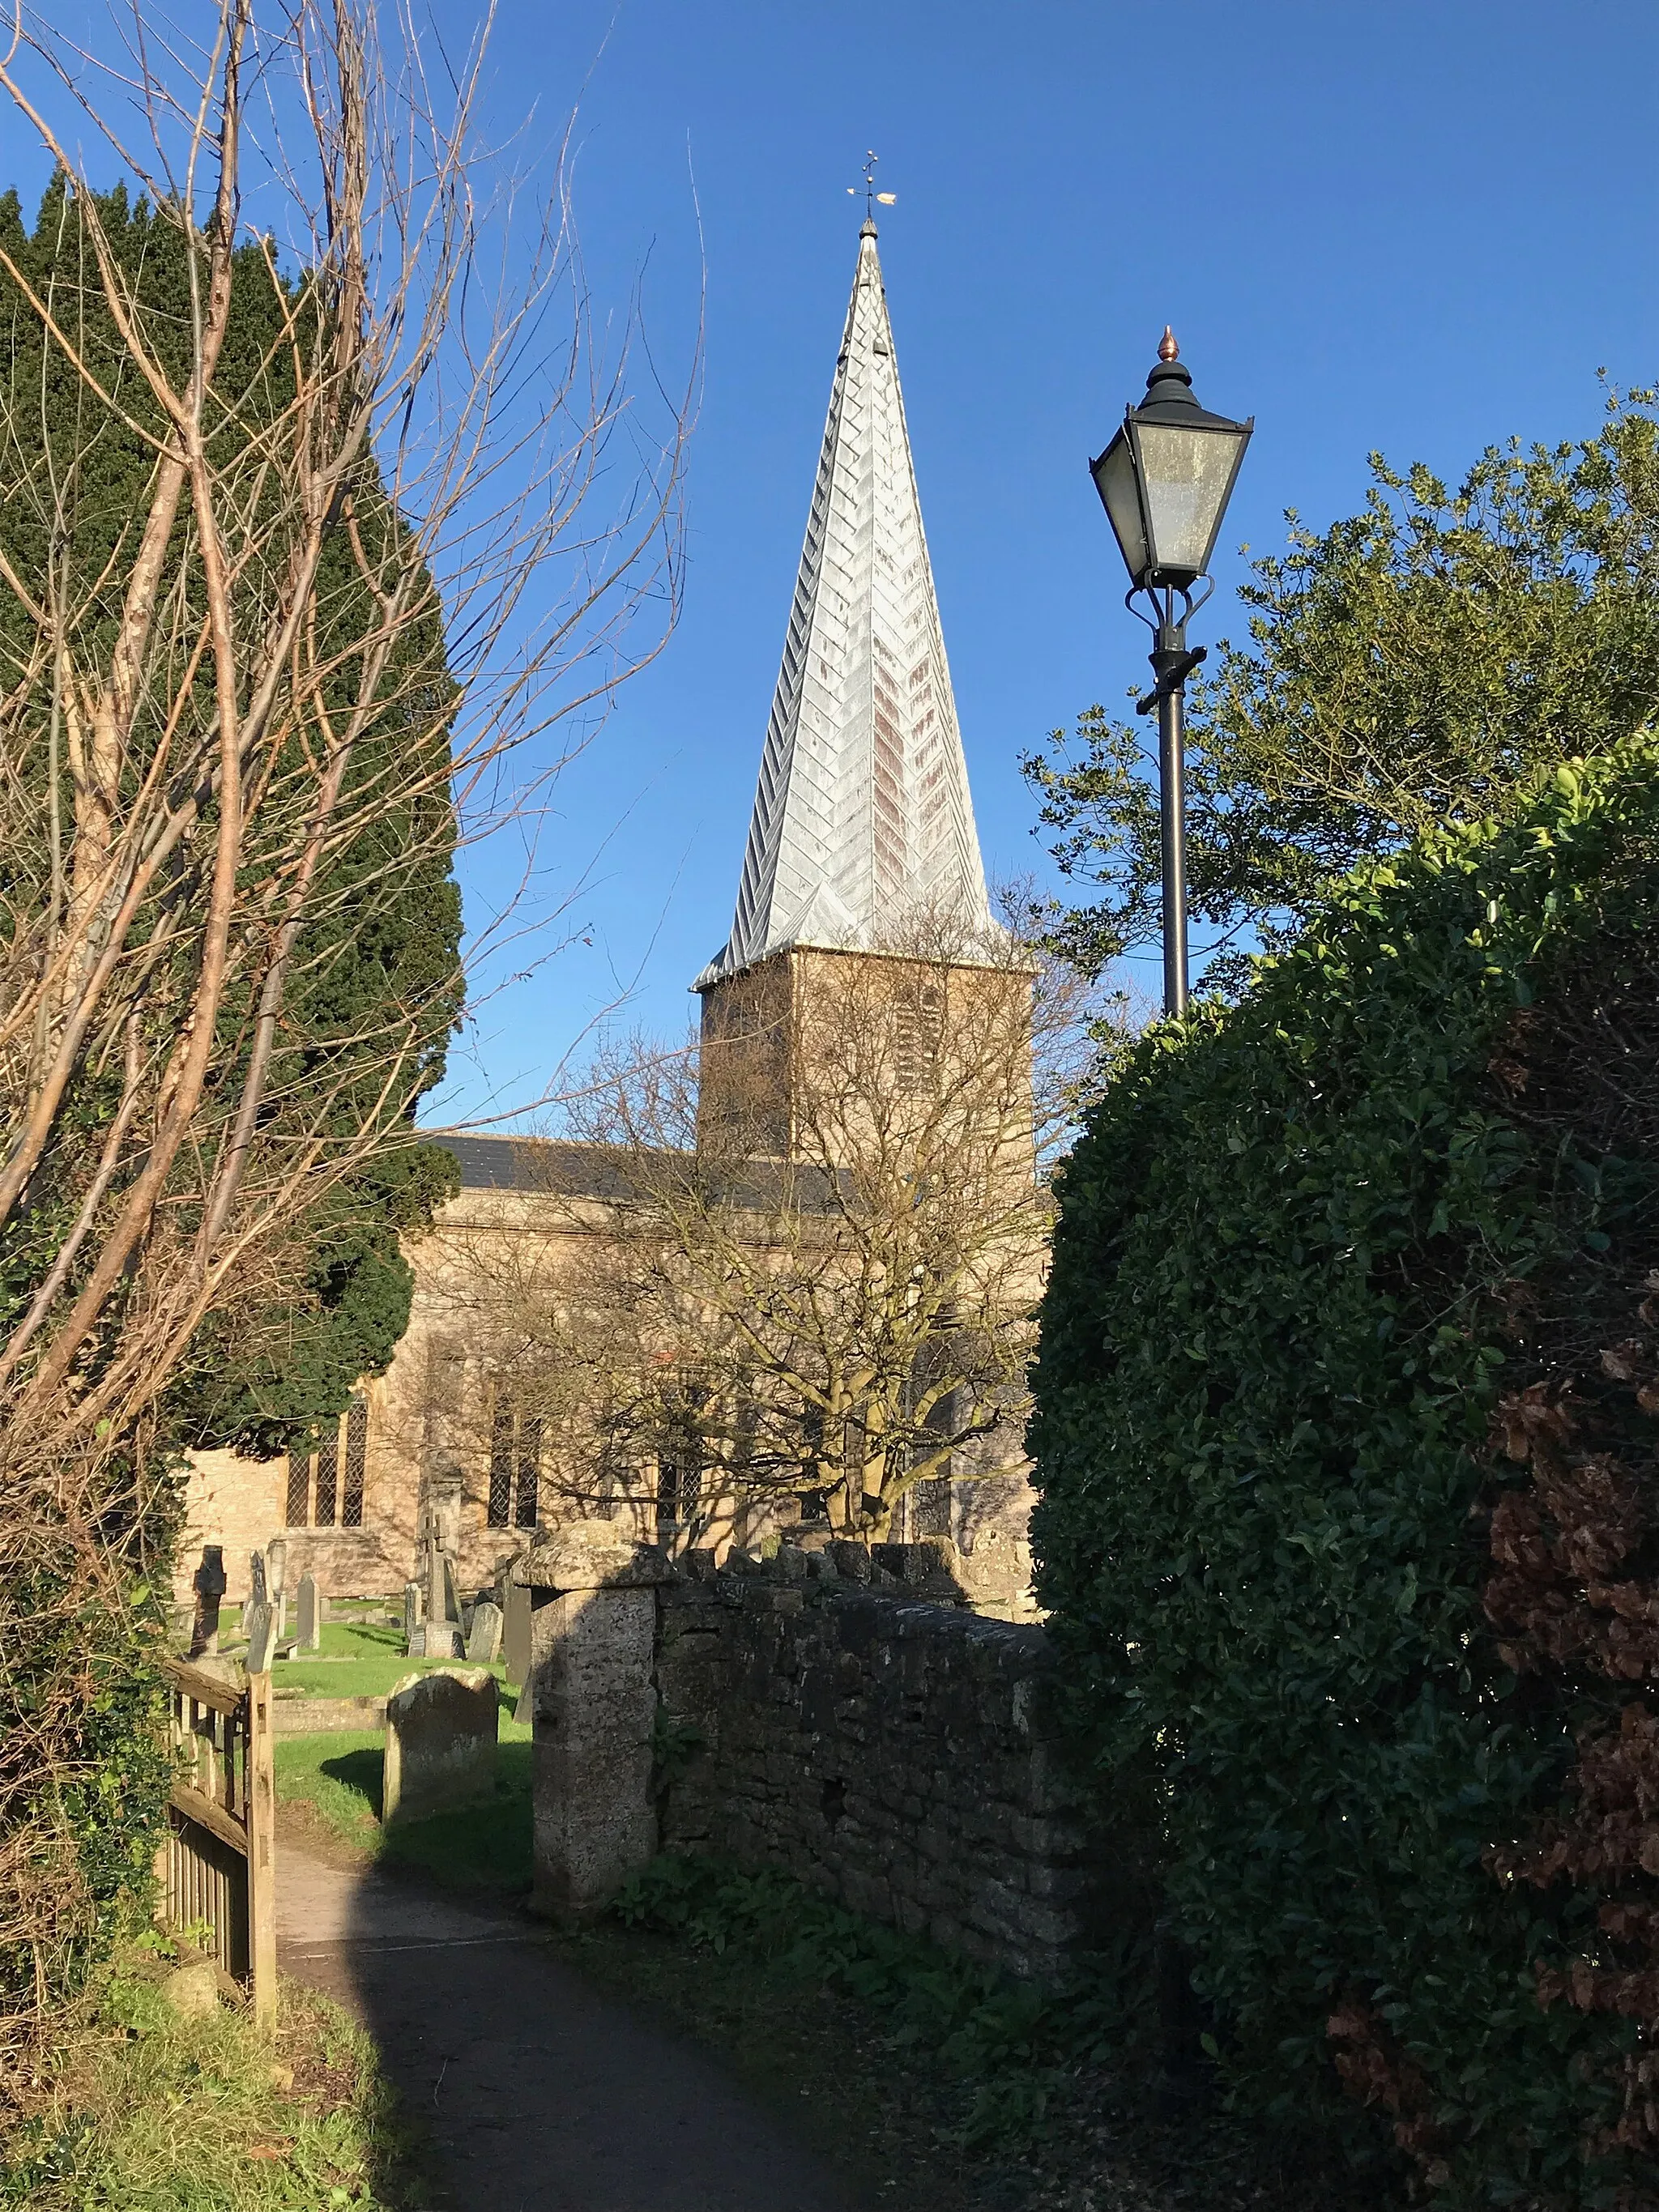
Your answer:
<point x="1015" y="2042"/>
<point x="1311" y="1256"/>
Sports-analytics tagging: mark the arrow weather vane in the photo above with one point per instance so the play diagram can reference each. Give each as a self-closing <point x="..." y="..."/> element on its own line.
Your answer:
<point x="872" y="198"/>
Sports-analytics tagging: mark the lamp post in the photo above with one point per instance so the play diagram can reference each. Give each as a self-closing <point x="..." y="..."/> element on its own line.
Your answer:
<point x="1165" y="482"/>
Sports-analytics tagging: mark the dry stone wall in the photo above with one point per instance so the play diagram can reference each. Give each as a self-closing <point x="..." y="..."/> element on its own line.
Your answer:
<point x="826" y="1714"/>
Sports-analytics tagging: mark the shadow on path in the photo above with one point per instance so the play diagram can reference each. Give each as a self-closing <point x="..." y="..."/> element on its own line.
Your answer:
<point x="540" y="2094"/>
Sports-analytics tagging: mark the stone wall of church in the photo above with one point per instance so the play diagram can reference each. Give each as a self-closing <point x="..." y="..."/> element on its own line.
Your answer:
<point x="823" y="1713"/>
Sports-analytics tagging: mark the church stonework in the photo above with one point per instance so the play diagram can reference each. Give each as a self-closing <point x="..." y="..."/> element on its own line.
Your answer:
<point x="861" y="846"/>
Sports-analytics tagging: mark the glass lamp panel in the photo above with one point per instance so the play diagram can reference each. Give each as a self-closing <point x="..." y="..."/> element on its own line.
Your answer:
<point x="1187" y="473"/>
<point x="1114" y="480"/>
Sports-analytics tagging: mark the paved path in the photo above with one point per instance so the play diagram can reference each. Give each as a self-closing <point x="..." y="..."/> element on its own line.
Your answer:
<point x="542" y="2095"/>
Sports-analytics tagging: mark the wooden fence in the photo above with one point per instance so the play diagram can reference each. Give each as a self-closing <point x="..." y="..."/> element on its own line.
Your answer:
<point x="221" y="1859"/>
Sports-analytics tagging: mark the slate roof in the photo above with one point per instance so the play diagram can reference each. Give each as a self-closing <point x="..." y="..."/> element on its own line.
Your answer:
<point x="542" y="1164"/>
<point x="531" y="1164"/>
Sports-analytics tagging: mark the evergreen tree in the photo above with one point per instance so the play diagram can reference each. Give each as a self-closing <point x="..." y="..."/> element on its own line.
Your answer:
<point x="1413" y="663"/>
<point x="380" y="945"/>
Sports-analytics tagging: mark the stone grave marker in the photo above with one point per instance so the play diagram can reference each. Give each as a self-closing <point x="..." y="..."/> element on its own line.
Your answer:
<point x="440" y="1743"/>
<point x="441" y="1638"/>
<point x="209" y="1583"/>
<point x="484" y="1642"/>
<point x="277" y="1576"/>
<point x="515" y="1633"/>
<point x="308" y="1622"/>
<point x="257" y="1592"/>
<point x="258" y="1620"/>
<point x="412" y="1624"/>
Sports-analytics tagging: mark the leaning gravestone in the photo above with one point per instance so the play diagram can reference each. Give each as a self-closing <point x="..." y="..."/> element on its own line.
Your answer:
<point x="309" y="1615"/>
<point x="258" y="1620"/>
<point x="483" y="1640"/>
<point x="440" y="1743"/>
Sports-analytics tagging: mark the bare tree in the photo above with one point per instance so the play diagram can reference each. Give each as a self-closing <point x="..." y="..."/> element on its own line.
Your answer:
<point x="798" y="1261"/>
<point x="436" y="438"/>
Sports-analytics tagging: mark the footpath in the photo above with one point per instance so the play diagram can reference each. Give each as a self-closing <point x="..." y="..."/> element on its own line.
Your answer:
<point x="537" y="2093"/>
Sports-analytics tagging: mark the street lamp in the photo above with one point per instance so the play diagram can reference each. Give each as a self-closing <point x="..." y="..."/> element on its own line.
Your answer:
<point x="1165" y="482"/>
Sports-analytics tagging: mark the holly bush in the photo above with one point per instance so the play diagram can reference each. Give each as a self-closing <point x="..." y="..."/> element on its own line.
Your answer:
<point x="1280" y="1339"/>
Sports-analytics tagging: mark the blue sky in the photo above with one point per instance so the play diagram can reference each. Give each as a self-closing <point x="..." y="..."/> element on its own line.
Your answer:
<point x="1411" y="228"/>
<point x="1414" y="228"/>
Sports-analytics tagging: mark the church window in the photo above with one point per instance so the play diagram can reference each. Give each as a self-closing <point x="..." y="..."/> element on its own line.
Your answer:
<point x="356" y="1460"/>
<point x="299" y="1490"/>
<point x="325" y="1488"/>
<point x="530" y="1469"/>
<point x="679" y="1469"/>
<point x="328" y="1478"/>
<point x="679" y="1492"/>
<point x="498" y="1509"/>
<point x="516" y="1468"/>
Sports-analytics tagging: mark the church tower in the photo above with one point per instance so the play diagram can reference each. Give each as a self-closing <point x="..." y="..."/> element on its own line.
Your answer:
<point x="863" y="825"/>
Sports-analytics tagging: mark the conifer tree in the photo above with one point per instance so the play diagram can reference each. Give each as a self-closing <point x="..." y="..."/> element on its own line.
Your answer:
<point x="383" y="927"/>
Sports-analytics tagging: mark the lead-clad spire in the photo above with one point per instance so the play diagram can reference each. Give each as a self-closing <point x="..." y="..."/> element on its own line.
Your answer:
<point x="862" y="814"/>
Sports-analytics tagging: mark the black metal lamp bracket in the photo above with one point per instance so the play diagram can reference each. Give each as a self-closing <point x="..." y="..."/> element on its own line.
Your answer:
<point x="1171" y="668"/>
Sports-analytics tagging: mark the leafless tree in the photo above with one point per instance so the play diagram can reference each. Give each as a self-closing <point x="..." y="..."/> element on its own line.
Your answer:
<point x="798" y="1261"/>
<point x="438" y="430"/>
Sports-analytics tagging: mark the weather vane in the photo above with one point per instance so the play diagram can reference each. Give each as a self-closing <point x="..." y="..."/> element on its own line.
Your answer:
<point x="872" y="198"/>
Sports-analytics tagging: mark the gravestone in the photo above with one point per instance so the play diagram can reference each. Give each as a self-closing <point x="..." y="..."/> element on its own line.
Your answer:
<point x="308" y="1623"/>
<point x="441" y="1638"/>
<point x="484" y="1641"/>
<point x="209" y="1583"/>
<point x="277" y="1576"/>
<point x="440" y="1743"/>
<point x="257" y="1592"/>
<point x="261" y="1627"/>
<point x="412" y="1624"/>
<point x="515" y="1633"/>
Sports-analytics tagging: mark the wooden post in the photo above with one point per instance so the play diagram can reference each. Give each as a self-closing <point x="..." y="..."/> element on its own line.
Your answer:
<point x="261" y="1851"/>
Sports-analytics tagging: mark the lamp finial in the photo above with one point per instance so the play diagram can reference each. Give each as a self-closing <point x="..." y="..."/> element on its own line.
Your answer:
<point x="1167" y="348"/>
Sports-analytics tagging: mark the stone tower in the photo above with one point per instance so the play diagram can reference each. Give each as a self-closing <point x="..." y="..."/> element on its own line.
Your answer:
<point x="863" y="825"/>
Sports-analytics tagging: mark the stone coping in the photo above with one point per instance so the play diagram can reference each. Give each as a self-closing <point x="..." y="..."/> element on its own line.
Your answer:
<point x="323" y="1716"/>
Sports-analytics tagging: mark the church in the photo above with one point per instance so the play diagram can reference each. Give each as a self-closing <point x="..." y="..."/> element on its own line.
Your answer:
<point x="862" y="822"/>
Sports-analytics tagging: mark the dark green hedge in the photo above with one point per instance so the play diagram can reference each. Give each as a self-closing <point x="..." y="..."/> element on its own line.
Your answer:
<point x="1273" y="1346"/>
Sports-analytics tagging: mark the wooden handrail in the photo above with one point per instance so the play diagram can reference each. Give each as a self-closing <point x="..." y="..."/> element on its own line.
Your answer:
<point x="196" y="1806"/>
<point x="206" y="1689"/>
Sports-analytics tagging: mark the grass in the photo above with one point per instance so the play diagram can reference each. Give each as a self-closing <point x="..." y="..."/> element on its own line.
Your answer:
<point x="357" y="1659"/>
<point x="337" y="1778"/>
<point x="150" y="2112"/>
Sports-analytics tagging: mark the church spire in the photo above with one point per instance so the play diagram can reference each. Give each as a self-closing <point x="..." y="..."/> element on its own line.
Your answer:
<point x="862" y="813"/>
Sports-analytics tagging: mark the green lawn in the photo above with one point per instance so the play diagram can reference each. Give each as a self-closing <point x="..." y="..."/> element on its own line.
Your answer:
<point x="486" y="1845"/>
<point x="358" y="1659"/>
